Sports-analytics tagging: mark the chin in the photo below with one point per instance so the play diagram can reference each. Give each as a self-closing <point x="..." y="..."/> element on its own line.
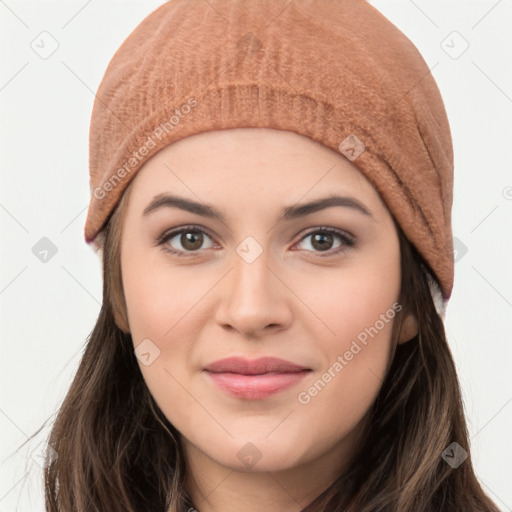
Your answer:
<point x="259" y="454"/>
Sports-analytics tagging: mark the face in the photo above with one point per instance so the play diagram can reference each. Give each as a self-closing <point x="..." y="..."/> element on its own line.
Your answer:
<point x="237" y="266"/>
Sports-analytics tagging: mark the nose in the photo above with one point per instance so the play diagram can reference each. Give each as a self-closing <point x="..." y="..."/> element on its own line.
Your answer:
<point x="254" y="298"/>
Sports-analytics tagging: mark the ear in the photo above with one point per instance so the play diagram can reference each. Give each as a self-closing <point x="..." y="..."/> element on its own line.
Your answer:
<point x="409" y="329"/>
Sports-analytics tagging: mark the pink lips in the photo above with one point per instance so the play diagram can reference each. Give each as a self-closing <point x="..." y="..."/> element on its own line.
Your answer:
<point x="257" y="379"/>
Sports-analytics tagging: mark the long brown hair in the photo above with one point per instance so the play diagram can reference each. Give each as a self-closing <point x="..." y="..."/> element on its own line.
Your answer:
<point x="116" y="450"/>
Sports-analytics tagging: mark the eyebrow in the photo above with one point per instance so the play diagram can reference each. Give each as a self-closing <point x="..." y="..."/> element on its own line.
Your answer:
<point x="288" y="213"/>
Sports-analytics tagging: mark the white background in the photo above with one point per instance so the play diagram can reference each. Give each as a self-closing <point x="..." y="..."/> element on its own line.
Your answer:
<point x="48" y="309"/>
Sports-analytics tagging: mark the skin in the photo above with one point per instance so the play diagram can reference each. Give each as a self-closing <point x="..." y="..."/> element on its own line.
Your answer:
<point x="290" y="302"/>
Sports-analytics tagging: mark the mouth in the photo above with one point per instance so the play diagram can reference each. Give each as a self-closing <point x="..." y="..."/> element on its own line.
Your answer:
<point x="257" y="379"/>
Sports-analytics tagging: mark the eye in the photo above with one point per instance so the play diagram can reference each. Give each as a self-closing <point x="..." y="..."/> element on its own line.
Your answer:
<point x="191" y="239"/>
<point x="322" y="240"/>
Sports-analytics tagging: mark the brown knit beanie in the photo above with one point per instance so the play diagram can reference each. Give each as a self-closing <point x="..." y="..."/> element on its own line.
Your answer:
<point x="336" y="71"/>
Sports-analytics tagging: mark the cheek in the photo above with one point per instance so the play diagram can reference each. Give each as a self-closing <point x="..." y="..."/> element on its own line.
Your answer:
<point x="160" y="314"/>
<point x="159" y="300"/>
<point x="164" y="306"/>
<point x="357" y="308"/>
<point x="351" y="299"/>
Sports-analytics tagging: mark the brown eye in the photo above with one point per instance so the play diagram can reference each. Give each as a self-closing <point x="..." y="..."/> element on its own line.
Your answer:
<point x="191" y="240"/>
<point x="185" y="240"/>
<point x="324" y="240"/>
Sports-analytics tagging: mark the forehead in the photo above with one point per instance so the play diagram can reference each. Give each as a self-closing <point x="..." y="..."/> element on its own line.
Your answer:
<point x="279" y="165"/>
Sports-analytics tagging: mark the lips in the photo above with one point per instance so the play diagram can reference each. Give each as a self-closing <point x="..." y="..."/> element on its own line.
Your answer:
<point x="255" y="379"/>
<point x="255" y="367"/>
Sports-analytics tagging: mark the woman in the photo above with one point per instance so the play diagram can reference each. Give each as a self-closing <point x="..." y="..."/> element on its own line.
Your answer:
<point x="271" y="192"/>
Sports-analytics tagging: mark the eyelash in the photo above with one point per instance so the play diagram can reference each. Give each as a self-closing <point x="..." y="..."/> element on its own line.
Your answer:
<point x="347" y="240"/>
